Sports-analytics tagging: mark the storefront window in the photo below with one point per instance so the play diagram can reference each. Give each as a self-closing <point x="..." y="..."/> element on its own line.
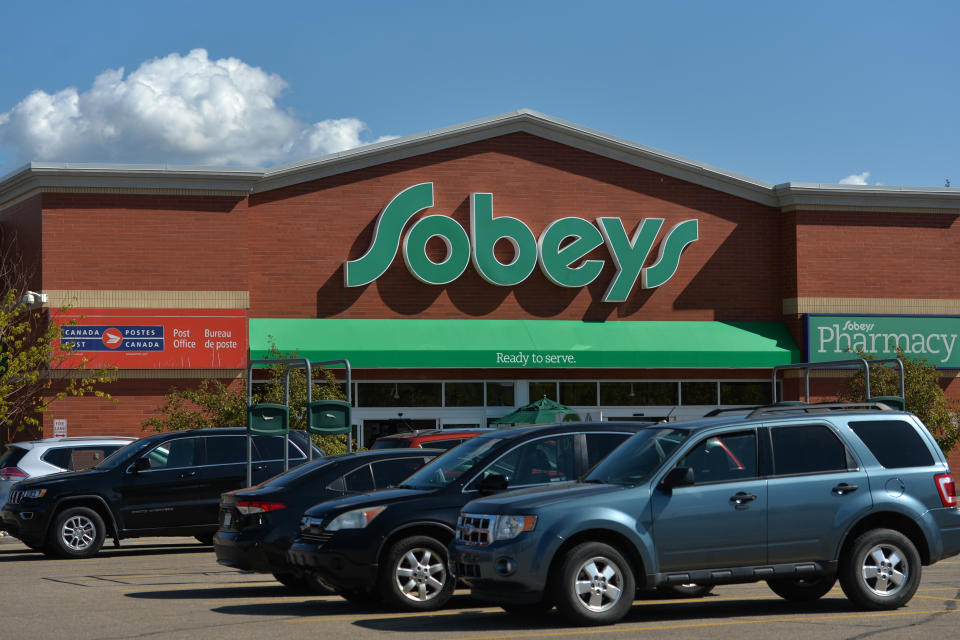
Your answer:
<point x="637" y="394"/>
<point x="500" y="394"/>
<point x="745" y="393"/>
<point x="402" y="394"/>
<point x="463" y="394"/>
<point x="699" y="393"/>
<point x="543" y="390"/>
<point x="581" y="394"/>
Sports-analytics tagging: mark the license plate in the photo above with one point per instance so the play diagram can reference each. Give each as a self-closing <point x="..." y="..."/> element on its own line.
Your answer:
<point x="227" y="518"/>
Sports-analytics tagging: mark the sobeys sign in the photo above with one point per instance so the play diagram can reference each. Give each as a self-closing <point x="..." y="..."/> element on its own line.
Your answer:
<point x="933" y="338"/>
<point x="560" y="250"/>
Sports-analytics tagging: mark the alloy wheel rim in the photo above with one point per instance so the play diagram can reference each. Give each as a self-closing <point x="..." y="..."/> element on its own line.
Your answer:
<point x="78" y="533"/>
<point x="420" y="574"/>
<point x="599" y="584"/>
<point x="885" y="570"/>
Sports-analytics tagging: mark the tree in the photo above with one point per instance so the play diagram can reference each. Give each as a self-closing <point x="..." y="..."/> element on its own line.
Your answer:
<point x="924" y="395"/>
<point x="33" y="371"/>
<point x="214" y="404"/>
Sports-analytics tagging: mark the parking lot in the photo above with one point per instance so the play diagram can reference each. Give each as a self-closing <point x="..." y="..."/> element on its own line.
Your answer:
<point x="173" y="588"/>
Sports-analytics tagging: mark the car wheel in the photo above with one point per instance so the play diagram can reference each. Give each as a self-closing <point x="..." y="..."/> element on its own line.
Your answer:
<point x="802" y="589"/>
<point x="596" y="585"/>
<point x="414" y="574"/>
<point x="529" y="609"/>
<point x="77" y="533"/>
<point x="881" y="570"/>
<point x="688" y="590"/>
<point x="305" y="583"/>
<point x="205" y="538"/>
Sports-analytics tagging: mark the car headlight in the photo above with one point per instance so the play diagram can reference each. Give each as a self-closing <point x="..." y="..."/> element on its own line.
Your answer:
<point x="356" y="519"/>
<point x="34" y="494"/>
<point x="509" y="527"/>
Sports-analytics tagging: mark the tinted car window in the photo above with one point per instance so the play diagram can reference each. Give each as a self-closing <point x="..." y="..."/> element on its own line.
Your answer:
<point x="388" y="443"/>
<point x="807" y="449"/>
<point x="639" y="457"/>
<point x="271" y="448"/>
<point x="445" y="470"/>
<point x="727" y="457"/>
<point x="77" y="458"/>
<point x="895" y="443"/>
<point x="226" y="449"/>
<point x="444" y="444"/>
<point x="12" y="456"/>
<point x="537" y="462"/>
<point x="599" y="445"/>
<point x="173" y="454"/>
<point x="359" y="480"/>
<point x="387" y="473"/>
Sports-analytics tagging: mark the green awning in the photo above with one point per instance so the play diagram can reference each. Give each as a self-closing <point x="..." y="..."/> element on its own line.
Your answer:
<point x="406" y="344"/>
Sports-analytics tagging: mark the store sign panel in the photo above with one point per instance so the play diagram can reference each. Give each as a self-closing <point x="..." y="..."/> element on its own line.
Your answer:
<point x="560" y="251"/>
<point x="155" y="339"/>
<point x="933" y="338"/>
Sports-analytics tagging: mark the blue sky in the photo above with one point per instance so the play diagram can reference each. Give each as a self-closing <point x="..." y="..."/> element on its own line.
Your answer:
<point x="803" y="91"/>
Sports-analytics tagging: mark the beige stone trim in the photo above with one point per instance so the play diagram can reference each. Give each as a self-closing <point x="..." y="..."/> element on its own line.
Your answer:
<point x="906" y="306"/>
<point x="133" y="299"/>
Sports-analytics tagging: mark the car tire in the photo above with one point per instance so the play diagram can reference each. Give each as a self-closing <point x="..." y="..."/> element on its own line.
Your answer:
<point x="595" y="585"/>
<point x="530" y="609"/>
<point x="689" y="590"/>
<point x="415" y="574"/>
<point x="77" y="532"/>
<point x="305" y="583"/>
<point x="802" y="589"/>
<point x="881" y="570"/>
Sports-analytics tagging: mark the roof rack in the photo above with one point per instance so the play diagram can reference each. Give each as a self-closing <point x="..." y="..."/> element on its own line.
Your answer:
<point x="716" y="412"/>
<point x="819" y="407"/>
<point x="900" y="401"/>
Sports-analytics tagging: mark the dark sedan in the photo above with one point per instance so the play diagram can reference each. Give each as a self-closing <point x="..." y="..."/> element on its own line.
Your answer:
<point x="257" y="524"/>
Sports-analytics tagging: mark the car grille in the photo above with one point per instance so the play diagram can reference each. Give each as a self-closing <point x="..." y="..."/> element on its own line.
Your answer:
<point x="319" y="538"/>
<point x="14" y="497"/>
<point x="465" y="570"/>
<point x="474" y="529"/>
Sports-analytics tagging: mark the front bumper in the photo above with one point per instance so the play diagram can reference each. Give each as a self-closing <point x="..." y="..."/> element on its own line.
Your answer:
<point x="501" y="573"/>
<point x="343" y="569"/>
<point x="28" y="522"/>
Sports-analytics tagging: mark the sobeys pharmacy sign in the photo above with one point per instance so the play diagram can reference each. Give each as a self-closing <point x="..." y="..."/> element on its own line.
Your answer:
<point x="560" y="250"/>
<point x="933" y="338"/>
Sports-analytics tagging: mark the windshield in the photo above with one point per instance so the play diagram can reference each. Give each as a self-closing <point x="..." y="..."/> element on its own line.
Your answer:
<point x="443" y="471"/>
<point x="637" y="458"/>
<point x="123" y="454"/>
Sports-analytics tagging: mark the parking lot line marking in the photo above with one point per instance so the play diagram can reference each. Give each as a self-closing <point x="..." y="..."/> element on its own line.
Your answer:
<point x="702" y="625"/>
<point x="936" y="598"/>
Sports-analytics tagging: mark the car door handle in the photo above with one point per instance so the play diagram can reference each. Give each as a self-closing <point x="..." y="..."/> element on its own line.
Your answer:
<point x="843" y="488"/>
<point x="188" y="474"/>
<point x="742" y="497"/>
<point x="260" y="467"/>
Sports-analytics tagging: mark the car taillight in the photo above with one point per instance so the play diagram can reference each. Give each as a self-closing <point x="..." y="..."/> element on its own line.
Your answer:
<point x="12" y="473"/>
<point x="947" y="489"/>
<point x="247" y="507"/>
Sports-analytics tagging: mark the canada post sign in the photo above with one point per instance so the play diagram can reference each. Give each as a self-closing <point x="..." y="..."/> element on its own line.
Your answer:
<point x="112" y="338"/>
<point x="154" y="338"/>
<point x="560" y="251"/>
<point x="932" y="338"/>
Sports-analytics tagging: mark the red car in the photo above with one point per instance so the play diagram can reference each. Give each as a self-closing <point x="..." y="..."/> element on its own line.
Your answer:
<point x="427" y="439"/>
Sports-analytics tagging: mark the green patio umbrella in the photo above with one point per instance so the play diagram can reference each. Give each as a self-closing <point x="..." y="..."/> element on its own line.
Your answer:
<point x="542" y="411"/>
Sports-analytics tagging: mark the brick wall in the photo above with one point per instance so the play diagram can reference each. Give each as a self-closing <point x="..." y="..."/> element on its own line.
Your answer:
<point x="302" y="235"/>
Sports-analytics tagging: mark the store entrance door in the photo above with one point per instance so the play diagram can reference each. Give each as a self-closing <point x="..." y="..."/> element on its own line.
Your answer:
<point x="373" y="429"/>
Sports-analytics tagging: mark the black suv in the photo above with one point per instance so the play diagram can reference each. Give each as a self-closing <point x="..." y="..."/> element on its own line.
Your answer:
<point x="257" y="524"/>
<point x="392" y="544"/>
<point x="168" y="484"/>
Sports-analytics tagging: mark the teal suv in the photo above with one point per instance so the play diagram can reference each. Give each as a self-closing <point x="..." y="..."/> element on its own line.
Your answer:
<point x="797" y="497"/>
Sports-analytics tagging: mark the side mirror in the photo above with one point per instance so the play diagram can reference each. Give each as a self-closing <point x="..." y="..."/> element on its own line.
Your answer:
<point x="492" y="483"/>
<point x="677" y="477"/>
<point x="140" y="464"/>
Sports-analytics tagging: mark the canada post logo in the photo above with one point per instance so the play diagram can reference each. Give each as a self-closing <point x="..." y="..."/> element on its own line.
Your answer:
<point x="112" y="338"/>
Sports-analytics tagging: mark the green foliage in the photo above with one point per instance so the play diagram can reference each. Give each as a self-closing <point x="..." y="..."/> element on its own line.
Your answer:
<point x="214" y="404"/>
<point x="924" y="395"/>
<point x="33" y="371"/>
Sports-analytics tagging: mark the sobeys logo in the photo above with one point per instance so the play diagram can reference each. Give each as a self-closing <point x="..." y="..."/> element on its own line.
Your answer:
<point x="560" y="250"/>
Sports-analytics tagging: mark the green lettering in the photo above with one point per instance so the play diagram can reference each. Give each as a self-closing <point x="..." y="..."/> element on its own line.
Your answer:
<point x="415" y="250"/>
<point x="555" y="260"/>
<point x="487" y="230"/>
<point x="681" y="235"/>
<point x="628" y="254"/>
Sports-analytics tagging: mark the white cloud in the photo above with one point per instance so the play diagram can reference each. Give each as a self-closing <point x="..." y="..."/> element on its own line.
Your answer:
<point x="178" y="109"/>
<point x="856" y="178"/>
